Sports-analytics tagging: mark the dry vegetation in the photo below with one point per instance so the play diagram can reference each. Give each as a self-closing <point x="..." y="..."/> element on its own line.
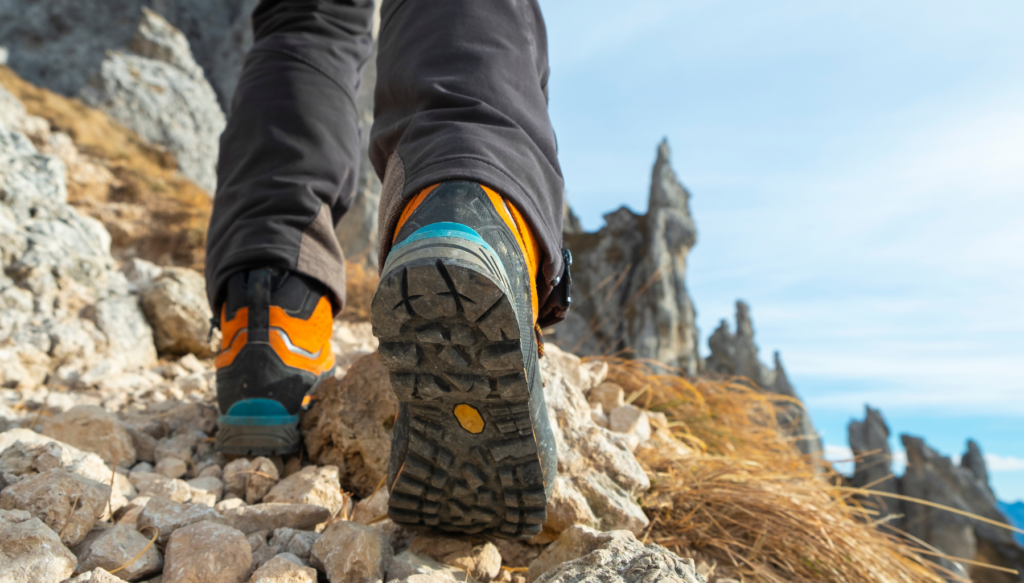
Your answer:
<point x="743" y="498"/>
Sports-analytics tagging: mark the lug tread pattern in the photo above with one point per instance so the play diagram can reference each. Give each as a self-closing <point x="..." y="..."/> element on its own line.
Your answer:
<point x="457" y="341"/>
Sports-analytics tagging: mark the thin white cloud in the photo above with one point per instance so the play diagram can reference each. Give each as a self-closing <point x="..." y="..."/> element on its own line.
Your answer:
<point x="1004" y="463"/>
<point x="840" y="456"/>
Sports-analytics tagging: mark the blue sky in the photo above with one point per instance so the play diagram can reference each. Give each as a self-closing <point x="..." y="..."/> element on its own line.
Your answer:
<point x="857" y="172"/>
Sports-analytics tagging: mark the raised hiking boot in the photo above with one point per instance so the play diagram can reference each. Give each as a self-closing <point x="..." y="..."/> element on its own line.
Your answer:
<point x="472" y="448"/>
<point x="276" y="349"/>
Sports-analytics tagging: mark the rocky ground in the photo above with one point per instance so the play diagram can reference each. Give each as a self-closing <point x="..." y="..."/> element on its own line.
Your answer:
<point x="107" y="467"/>
<point x="121" y="477"/>
<point x="107" y="390"/>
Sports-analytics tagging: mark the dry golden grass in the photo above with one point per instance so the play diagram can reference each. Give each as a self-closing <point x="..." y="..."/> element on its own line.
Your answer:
<point x="745" y="497"/>
<point x="151" y="210"/>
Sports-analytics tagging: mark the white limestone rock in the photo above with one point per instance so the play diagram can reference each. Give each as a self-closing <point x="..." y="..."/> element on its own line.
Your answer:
<point x="310" y="485"/>
<point x="30" y="552"/>
<point x="67" y="503"/>
<point x="91" y="428"/>
<point x="207" y="551"/>
<point x="112" y="547"/>
<point x="271" y="516"/>
<point x="159" y="92"/>
<point x="281" y="570"/>
<point x="169" y="516"/>
<point x="351" y="553"/>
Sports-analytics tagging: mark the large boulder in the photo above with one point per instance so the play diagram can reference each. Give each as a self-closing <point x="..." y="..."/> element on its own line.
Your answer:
<point x="629" y="289"/>
<point x="157" y="90"/>
<point x="64" y="307"/>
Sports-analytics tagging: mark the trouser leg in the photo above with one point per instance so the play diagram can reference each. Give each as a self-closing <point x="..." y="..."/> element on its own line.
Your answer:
<point x="462" y="94"/>
<point x="290" y="153"/>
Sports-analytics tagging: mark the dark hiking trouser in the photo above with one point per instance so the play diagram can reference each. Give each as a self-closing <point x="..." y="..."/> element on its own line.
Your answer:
<point x="461" y="95"/>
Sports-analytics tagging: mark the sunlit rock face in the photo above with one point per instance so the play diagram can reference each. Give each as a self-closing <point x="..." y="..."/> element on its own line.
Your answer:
<point x="629" y="288"/>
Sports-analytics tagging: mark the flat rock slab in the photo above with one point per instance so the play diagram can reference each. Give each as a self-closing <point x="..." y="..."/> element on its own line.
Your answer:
<point x="169" y="516"/>
<point x="93" y="429"/>
<point x="67" y="503"/>
<point x="113" y="547"/>
<point x="30" y="552"/>
<point x="271" y="516"/>
<point x="320" y="486"/>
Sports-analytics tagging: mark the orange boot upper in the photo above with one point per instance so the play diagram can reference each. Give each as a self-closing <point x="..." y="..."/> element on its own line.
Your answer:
<point x="304" y="344"/>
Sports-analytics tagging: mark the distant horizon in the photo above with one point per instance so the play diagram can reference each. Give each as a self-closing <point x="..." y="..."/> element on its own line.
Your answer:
<point x="857" y="177"/>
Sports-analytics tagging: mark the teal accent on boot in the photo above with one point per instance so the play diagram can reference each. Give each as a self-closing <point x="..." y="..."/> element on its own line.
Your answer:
<point x="257" y="412"/>
<point x="454" y="230"/>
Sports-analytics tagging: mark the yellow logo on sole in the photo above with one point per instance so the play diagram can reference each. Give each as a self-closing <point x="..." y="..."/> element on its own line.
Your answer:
<point x="469" y="418"/>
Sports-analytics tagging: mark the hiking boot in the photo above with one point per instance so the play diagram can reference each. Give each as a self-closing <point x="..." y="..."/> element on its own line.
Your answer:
<point x="472" y="449"/>
<point x="276" y="349"/>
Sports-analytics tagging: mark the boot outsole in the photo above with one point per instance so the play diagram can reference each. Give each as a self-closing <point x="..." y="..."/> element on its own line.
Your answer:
<point x="256" y="440"/>
<point x="451" y="339"/>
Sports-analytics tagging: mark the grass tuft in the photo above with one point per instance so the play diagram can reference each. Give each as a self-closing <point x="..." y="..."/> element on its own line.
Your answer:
<point x="741" y="496"/>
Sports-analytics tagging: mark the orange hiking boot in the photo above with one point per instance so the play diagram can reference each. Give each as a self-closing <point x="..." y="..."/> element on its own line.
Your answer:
<point x="276" y="349"/>
<point x="472" y="448"/>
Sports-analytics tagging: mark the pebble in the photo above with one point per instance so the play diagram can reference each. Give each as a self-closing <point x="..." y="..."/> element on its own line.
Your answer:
<point x="482" y="562"/>
<point x="261" y="551"/>
<point x="609" y="395"/>
<point x="407" y="564"/>
<point x="235" y="477"/>
<point x="112" y="547"/>
<point x="97" y="575"/>
<point x="207" y="551"/>
<point x="282" y="570"/>
<point x="269" y="516"/>
<point x="206" y="490"/>
<point x="228" y="504"/>
<point x="630" y="419"/>
<point x="158" y="485"/>
<point x="310" y="485"/>
<point x="263" y="475"/>
<point x="297" y="542"/>
<point x="171" y="467"/>
<point x="169" y="516"/>
<point x="349" y="552"/>
<point x="130" y="513"/>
